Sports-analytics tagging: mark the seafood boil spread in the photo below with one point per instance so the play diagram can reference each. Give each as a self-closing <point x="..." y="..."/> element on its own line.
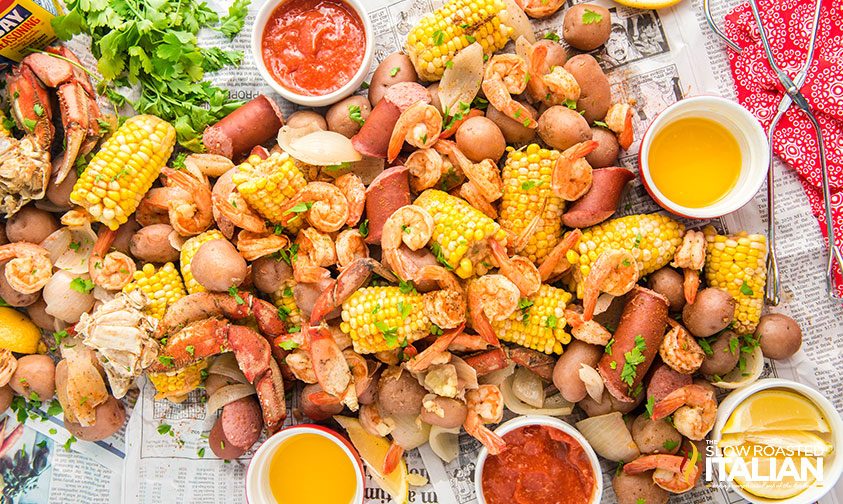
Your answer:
<point x="403" y="260"/>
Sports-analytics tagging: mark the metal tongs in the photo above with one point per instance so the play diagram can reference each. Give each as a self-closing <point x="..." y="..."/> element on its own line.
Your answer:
<point x="793" y="96"/>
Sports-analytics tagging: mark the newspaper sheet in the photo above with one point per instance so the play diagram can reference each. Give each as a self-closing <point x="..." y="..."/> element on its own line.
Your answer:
<point x="653" y="57"/>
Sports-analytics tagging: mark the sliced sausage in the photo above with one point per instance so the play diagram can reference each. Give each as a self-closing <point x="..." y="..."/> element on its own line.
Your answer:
<point x="373" y="138"/>
<point x="601" y="201"/>
<point x="252" y="124"/>
<point x="664" y="380"/>
<point x="387" y="193"/>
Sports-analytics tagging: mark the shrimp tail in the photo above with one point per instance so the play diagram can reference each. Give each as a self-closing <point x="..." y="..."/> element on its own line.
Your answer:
<point x="393" y="458"/>
<point x="691" y="284"/>
<point x="557" y="255"/>
<point x="669" y="404"/>
<point x="493" y="442"/>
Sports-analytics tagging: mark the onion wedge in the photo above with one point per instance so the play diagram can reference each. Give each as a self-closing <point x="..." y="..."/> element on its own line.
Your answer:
<point x="461" y="80"/>
<point x="445" y="443"/>
<point x="314" y="146"/>
<point x="228" y="394"/>
<point x="593" y="382"/>
<point x="609" y="437"/>
<point x="515" y="17"/>
<point x="554" y="408"/>
<point x="226" y="365"/>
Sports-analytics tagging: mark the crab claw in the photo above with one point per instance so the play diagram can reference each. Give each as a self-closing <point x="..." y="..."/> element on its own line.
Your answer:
<point x="75" y="116"/>
<point x="30" y="104"/>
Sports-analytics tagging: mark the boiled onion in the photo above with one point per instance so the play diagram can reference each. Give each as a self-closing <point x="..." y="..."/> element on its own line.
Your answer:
<point x="63" y="302"/>
<point x="226" y="365"/>
<point x="445" y="443"/>
<point x="228" y="394"/>
<point x="515" y="17"/>
<point x="312" y="145"/>
<point x="528" y="387"/>
<point x="461" y="80"/>
<point x="609" y="437"/>
<point x="410" y="432"/>
<point x="555" y="406"/>
<point x="593" y="382"/>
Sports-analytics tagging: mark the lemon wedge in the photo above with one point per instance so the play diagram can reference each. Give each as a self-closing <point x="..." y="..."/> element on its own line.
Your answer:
<point x="18" y="333"/>
<point x="648" y="4"/>
<point x="791" y="440"/>
<point x="775" y="410"/>
<point x="373" y="450"/>
<point x="780" y="486"/>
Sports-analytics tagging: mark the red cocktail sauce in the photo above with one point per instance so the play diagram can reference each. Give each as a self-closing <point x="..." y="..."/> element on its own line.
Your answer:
<point x="313" y="47"/>
<point x="541" y="465"/>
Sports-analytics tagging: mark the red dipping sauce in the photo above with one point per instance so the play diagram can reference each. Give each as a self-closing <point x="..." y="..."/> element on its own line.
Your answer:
<point x="313" y="47"/>
<point x="541" y="465"/>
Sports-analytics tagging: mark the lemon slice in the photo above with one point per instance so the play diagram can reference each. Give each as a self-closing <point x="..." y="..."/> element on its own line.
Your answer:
<point x="775" y="410"/>
<point x="781" y="486"/>
<point x="17" y="332"/>
<point x="648" y="4"/>
<point x="373" y="450"/>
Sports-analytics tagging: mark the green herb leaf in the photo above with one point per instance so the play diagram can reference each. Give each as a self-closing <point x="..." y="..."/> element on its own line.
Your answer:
<point x="355" y="114"/>
<point x="706" y="346"/>
<point x="231" y="24"/>
<point x="591" y="17"/>
<point x="436" y="249"/>
<point x="449" y="64"/>
<point x="435" y="330"/>
<point x="164" y="429"/>
<point x="288" y="344"/>
<point x="552" y="321"/>
<point x="38" y="109"/>
<point x="746" y="290"/>
<point x="232" y="291"/>
<point x="601" y="124"/>
<point x="571" y="104"/>
<point x="190" y="350"/>
<point x="734" y="345"/>
<point x="651" y="402"/>
<point x="166" y="360"/>
<point x="54" y="408"/>
<point x="470" y="39"/>
<point x="670" y="444"/>
<point x="608" y="349"/>
<point x="201" y="452"/>
<point x="406" y="287"/>
<point x="364" y="228"/>
<point x="551" y="36"/>
<point x="69" y="442"/>
<point x="394" y="71"/>
<point x="404" y="310"/>
<point x="390" y="334"/>
<point x="438" y="37"/>
<point x="300" y="207"/>
<point x="82" y="285"/>
<point x="633" y="358"/>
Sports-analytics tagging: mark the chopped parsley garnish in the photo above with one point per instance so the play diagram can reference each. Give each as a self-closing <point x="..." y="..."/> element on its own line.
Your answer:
<point x="355" y="114"/>
<point x="394" y="71"/>
<point x="633" y="358"/>
<point x="288" y="344"/>
<point x="364" y="228"/>
<point x="232" y="291"/>
<point x="670" y="444"/>
<point x="746" y="290"/>
<point x="438" y="37"/>
<point x="591" y="17"/>
<point x="551" y="36"/>
<point x="82" y="285"/>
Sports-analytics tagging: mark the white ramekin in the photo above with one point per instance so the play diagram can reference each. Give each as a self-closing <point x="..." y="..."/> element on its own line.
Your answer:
<point x="313" y="101"/>
<point x="832" y="464"/>
<point x="523" y="421"/>
<point x="257" y="480"/>
<point x="752" y="140"/>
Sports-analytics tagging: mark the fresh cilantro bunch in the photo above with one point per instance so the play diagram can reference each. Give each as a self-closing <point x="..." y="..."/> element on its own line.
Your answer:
<point x="153" y="44"/>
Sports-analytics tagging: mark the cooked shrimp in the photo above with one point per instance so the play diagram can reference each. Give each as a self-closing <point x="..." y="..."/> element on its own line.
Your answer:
<point x="694" y="409"/>
<point x="330" y="367"/>
<point x="253" y="246"/>
<point x="444" y="278"/>
<point x="328" y="210"/>
<point x="354" y="191"/>
<point x="520" y="270"/>
<point x="410" y="224"/>
<point x="436" y="353"/>
<point x="555" y="262"/>
<point x="29" y="267"/>
<point x="572" y="174"/>
<point x="301" y="366"/>
<point x="614" y="272"/>
<point x="674" y="473"/>
<point x="152" y="209"/>
<point x="690" y="256"/>
<point x="680" y="350"/>
<point x="619" y="120"/>
<point x="485" y="175"/>
<point x="517" y="242"/>
<point x="485" y="405"/>
<point x="373" y="421"/>
<point x="425" y="166"/>
<point x="505" y="75"/>
<point x="588" y="331"/>
<point x="419" y="126"/>
<point x="470" y="193"/>
<point x="190" y="209"/>
<point x="350" y="245"/>
<point x="316" y="251"/>
<point x="550" y="85"/>
<point x="231" y="209"/>
<point x="491" y="298"/>
<point x="541" y="8"/>
<point x="112" y="270"/>
<point x="445" y="308"/>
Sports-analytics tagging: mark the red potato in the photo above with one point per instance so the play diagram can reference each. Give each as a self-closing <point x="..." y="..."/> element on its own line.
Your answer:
<point x="110" y="417"/>
<point x="237" y="429"/>
<point x="537" y="362"/>
<point x="6" y="396"/>
<point x="566" y="373"/>
<point x="644" y="316"/>
<point x="664" y="380"/>
<point x="387" y="193"/>
<point x="487" y="361"/>
<point x="373" y="138"/>
<point x="269" y="274"/>
<point x="317" y="412"/>
<point x="601" y="201"/>
<point x="306" y="295"/>
<point x="254" y="123"/>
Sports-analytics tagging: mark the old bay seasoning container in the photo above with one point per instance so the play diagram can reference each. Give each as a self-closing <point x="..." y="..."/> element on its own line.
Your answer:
<point x="25" y="24"/>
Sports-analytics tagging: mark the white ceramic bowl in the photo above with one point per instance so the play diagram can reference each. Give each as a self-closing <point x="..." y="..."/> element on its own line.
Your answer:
<point x="832" y="464"/>
<point x="313" y="101"/>
<point x="752" y="140"/>
<point x="257" y="479"/>
<point x="523" y="421"/>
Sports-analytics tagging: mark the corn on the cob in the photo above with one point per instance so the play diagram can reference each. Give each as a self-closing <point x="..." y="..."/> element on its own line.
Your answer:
<point x="539" y="323"/>
<point x="460" y="232"/>
<point x="285" y="301"/>
<point x="124" y="169"/>
<point x="438" y="36"/>
<point x="267" y="184"/>
<point x="526" y="192"/>
<point x="652" y="240"/>
<point x="175" y="385"/>
<point x="737" y="264"/>
<point x="162" y="287"/>
<point x="188" y="250"/>
<point x="383" y="318"/>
